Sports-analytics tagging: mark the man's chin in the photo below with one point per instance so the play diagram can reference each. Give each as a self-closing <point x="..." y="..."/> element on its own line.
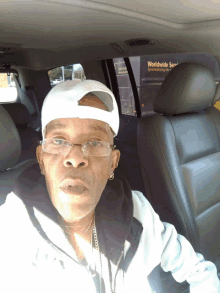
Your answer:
<point x="70" y="216"/>
<point x="71" y="211"/>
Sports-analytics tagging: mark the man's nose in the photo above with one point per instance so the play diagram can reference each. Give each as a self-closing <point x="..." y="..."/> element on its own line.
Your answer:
<point x="75" y="157"/>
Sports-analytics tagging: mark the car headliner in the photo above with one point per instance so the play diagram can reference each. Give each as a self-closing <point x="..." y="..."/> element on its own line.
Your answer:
<point x="38" y="32"/>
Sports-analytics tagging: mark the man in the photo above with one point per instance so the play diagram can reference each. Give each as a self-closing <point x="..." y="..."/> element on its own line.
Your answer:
<point x="77" y="229"/>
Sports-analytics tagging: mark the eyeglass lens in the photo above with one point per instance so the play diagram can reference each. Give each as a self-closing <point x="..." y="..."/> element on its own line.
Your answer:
<point x="88" y="149"/>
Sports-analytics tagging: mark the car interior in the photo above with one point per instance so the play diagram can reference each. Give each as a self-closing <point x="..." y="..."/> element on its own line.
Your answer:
<point x="161" y="61"/>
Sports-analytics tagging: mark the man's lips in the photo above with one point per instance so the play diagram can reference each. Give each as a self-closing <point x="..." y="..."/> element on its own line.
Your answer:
<point x="74" y="190"/>
<point x="72" y="182"/>
<point x="73" y="186"/>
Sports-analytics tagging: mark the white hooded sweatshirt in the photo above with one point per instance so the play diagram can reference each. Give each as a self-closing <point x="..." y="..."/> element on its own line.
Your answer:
<point x="35" y="255"/>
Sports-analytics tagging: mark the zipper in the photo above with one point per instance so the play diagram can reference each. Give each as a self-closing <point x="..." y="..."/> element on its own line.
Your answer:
<point x="127" y="267"/>
<point x="118" y="268"/>
<point x="129" y="263"/>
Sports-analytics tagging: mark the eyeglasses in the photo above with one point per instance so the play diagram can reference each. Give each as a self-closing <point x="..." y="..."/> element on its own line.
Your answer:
<point x="95" y="148"/>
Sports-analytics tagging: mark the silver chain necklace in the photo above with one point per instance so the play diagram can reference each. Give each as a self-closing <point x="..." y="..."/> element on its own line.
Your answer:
<point x="94" y="232"/>
<point x="66" y="228"/>
<point x="97" y="248"/>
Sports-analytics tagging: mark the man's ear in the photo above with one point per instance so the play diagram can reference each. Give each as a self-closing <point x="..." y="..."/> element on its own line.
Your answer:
<point x="115" y="158"/>
<point x="39" y="154"/>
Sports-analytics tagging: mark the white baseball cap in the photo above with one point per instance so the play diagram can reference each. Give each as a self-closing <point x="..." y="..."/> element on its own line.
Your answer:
<point x="62" y="102"/>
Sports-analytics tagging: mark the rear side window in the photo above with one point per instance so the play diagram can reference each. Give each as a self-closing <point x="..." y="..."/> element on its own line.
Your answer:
<point x="150" y="71"/>
<point x="124" y="86"/>
<point x="8" y="90"/>
<point x="63" y="73"/>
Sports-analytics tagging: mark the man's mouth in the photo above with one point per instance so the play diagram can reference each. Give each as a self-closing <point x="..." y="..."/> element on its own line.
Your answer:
<point x="77" y="190"/>
<point x="73" y="186"/>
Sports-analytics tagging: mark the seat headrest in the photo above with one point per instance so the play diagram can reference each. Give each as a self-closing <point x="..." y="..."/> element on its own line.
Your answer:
<point x="18" y="112"/>
<point x="188" y="87"/>
<point x="10" y="143"/>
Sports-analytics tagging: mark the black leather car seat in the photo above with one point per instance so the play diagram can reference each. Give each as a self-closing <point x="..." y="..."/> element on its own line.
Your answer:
<point x="10" y="151"/>
<point x="29" y="136"/>
<point x="179" y="150"/>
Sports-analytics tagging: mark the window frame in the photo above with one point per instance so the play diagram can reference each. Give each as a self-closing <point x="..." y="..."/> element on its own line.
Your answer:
<point x="133" y="86"/>
<point x="115" y="87"/>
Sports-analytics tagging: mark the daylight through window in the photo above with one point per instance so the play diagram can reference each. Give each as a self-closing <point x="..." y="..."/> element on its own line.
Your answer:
<point x="63" y="73"/>
<point x="8" y="90"/>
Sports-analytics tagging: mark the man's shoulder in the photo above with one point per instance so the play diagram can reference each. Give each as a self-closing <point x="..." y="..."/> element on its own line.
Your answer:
<point x="3" y="209"/>
<point x="142" y="208"/>
<point x="140" y="199"/>
<point x="12" y="211"/>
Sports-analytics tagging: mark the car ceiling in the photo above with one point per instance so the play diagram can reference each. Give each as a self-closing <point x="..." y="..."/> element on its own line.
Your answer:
<point x="46" y="34"/>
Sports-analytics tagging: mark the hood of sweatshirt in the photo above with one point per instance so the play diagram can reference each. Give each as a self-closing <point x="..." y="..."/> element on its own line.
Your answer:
<point x="114" y="211"/>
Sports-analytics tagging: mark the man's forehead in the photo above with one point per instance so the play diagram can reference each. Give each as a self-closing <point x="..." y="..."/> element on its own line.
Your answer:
<point x="65" y="123"/>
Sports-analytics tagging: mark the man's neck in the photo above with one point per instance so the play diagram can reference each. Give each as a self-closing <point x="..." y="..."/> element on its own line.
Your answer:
<point x="81" y="227"/>
<point x="79" y="234"/>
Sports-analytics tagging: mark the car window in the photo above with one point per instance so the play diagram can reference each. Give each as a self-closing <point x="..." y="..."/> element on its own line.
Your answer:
<point x="149" y="72"/>
<point x="8" y="90"/>
<point x="124" y="86"/>
<point x="63" y="73"/>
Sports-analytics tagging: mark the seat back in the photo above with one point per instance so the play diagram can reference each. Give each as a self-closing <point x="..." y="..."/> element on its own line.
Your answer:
<point x="10" y="151"/>
<point x="126" y="143"/>
<point x="179" y="148"/>
<point x="28" y="135"/>
<point x="27" y="97"/>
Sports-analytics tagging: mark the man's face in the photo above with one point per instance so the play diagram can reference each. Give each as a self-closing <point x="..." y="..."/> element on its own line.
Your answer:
<point x="93" y="171"/>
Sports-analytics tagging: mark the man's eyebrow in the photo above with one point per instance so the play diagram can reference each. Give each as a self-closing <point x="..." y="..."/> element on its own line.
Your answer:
<point x="59" y="126"/>
<point x="98" y="128"/>
<point x="55" y="127"/>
